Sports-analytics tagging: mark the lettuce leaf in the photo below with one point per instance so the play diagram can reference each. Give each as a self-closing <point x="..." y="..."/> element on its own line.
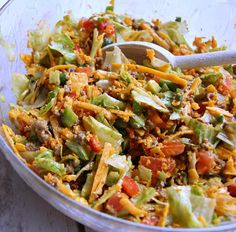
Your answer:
<point x="38" y="40"/>
<point x="228" y="135"/>
<point x="45" y="161"/>
<point x="143" y="97"/>
<point x="115" y="56"/>
<point x="176" y="31"/>
<point x="202" y="131"/>
<point x="108" y="102"/>
<point x="180" y="206"/>
<point x="104" y="133"/>
<point x="203" y="206"/>
<point x="63" y="44"/>
<point x="20" y="84"/>
<point x="97" y="44"/>
<point x="145" y="196"/>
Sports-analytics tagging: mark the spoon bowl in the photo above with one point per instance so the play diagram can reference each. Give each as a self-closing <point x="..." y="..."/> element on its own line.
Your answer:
<point x="136" y="50"/>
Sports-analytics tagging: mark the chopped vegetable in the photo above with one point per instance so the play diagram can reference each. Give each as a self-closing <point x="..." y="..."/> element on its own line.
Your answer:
<point x="108" y="102"/>
<point x="145" y="196"/>
<point x="181" y="208"/>
<point x="77" y="149"/>
<point x="45" y="161"/>
<point x="68" y="117"/>
<point x="129" y="186"/>
<point x="104" y="133"/>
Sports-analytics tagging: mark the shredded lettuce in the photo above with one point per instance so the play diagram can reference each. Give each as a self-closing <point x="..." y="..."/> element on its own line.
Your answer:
<point x="104" y="133"/>
<point x="203" y="206"/>
<point x="180" y="206"/>
<point x="120" y="162"/>
<point x="175" y="30"/>
<point x="51" y="101"/>
<point x="77" y="149"/>
<point x="144" y="197"/>
<point x="202" y="131"/>
<point x="20" y="84"/>
<point x="145" y="174"/>
<point x="115" y="56"/>
<point x="63" y="44"/>
<point x="228" y="135"/>
<point x="39" y="39"/>
<point x="87" y="186"/>
<point x="146" y="98"/>
<point x="45" y="161"/>
<point x="108" y="102"/>
<point x="97" y="44"/>
<point x="186" y="207"/>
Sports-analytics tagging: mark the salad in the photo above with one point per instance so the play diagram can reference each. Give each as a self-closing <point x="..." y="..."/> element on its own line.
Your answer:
<point x="144" y="142"/>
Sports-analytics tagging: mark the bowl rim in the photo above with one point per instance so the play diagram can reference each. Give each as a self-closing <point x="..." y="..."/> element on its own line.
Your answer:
<point x="23" y="170"/>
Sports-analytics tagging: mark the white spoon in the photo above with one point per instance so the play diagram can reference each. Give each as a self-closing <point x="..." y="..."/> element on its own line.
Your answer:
<point x="136" y="50"/>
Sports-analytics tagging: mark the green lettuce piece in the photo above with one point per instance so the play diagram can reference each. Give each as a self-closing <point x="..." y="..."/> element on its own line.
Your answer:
<point x="104" y="133"/>
<point x="153" y="87"/>
<point x="108" y="102"/>
<point x="38" y="40"/>
<point x="144" y="197"/>
<point x="202" y="131"/>
<point x="51" y="101"/>
<point x="146" y="98"/>
<point x="145" y="174"/>
<point x="210" y="78"/>
<point x="115" y="56"/>
<point x="77" y="149"/>
<point x="87" y="186"/>
<point x="228" y="135"/>
<point x="54" y="77"/>
<point x="45" y="161"/>
<point x="106" y="195"/>
<point x="137" y="121"/>
<point x="176" y="31"/>
<point x="97" y="44"/>
<point x="181" y="207"/>
<point x="203" y="206"/>
<point x="20" y="84"/>
<point x="63" y="44"/>
<point x="119" y="162"/>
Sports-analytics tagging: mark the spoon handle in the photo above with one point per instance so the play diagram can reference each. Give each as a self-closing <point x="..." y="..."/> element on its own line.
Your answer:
<point x="205" y="59"/>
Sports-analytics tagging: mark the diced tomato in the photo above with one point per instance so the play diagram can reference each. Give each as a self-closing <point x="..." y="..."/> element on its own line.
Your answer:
<point x="113" y="204"/>
<point x="166" y="165"/>
<point x="110" y="29"/>
<point x="86" y="70"/>
<point x="102" y="25"/>
<point x="150" y="220"/>
<point x="72" y="95"/>
<point x="95" y="144"/>
<point x="232" y="189"/>
<point x="88" y="24"/>
<point x="129" y="186"/>
<point x="172" y="148"/>
<point x="155" y="118"/>
<point x="205" y="162"/>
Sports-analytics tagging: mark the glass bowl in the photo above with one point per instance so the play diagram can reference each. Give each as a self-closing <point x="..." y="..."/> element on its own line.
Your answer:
<point x="204" y="17"/>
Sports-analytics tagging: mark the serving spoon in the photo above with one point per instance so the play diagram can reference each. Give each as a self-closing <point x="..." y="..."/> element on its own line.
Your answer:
<point x="136" y="50"/>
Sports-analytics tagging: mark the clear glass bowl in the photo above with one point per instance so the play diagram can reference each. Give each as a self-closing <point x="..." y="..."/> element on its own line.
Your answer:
<point x="204" y="17"/>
